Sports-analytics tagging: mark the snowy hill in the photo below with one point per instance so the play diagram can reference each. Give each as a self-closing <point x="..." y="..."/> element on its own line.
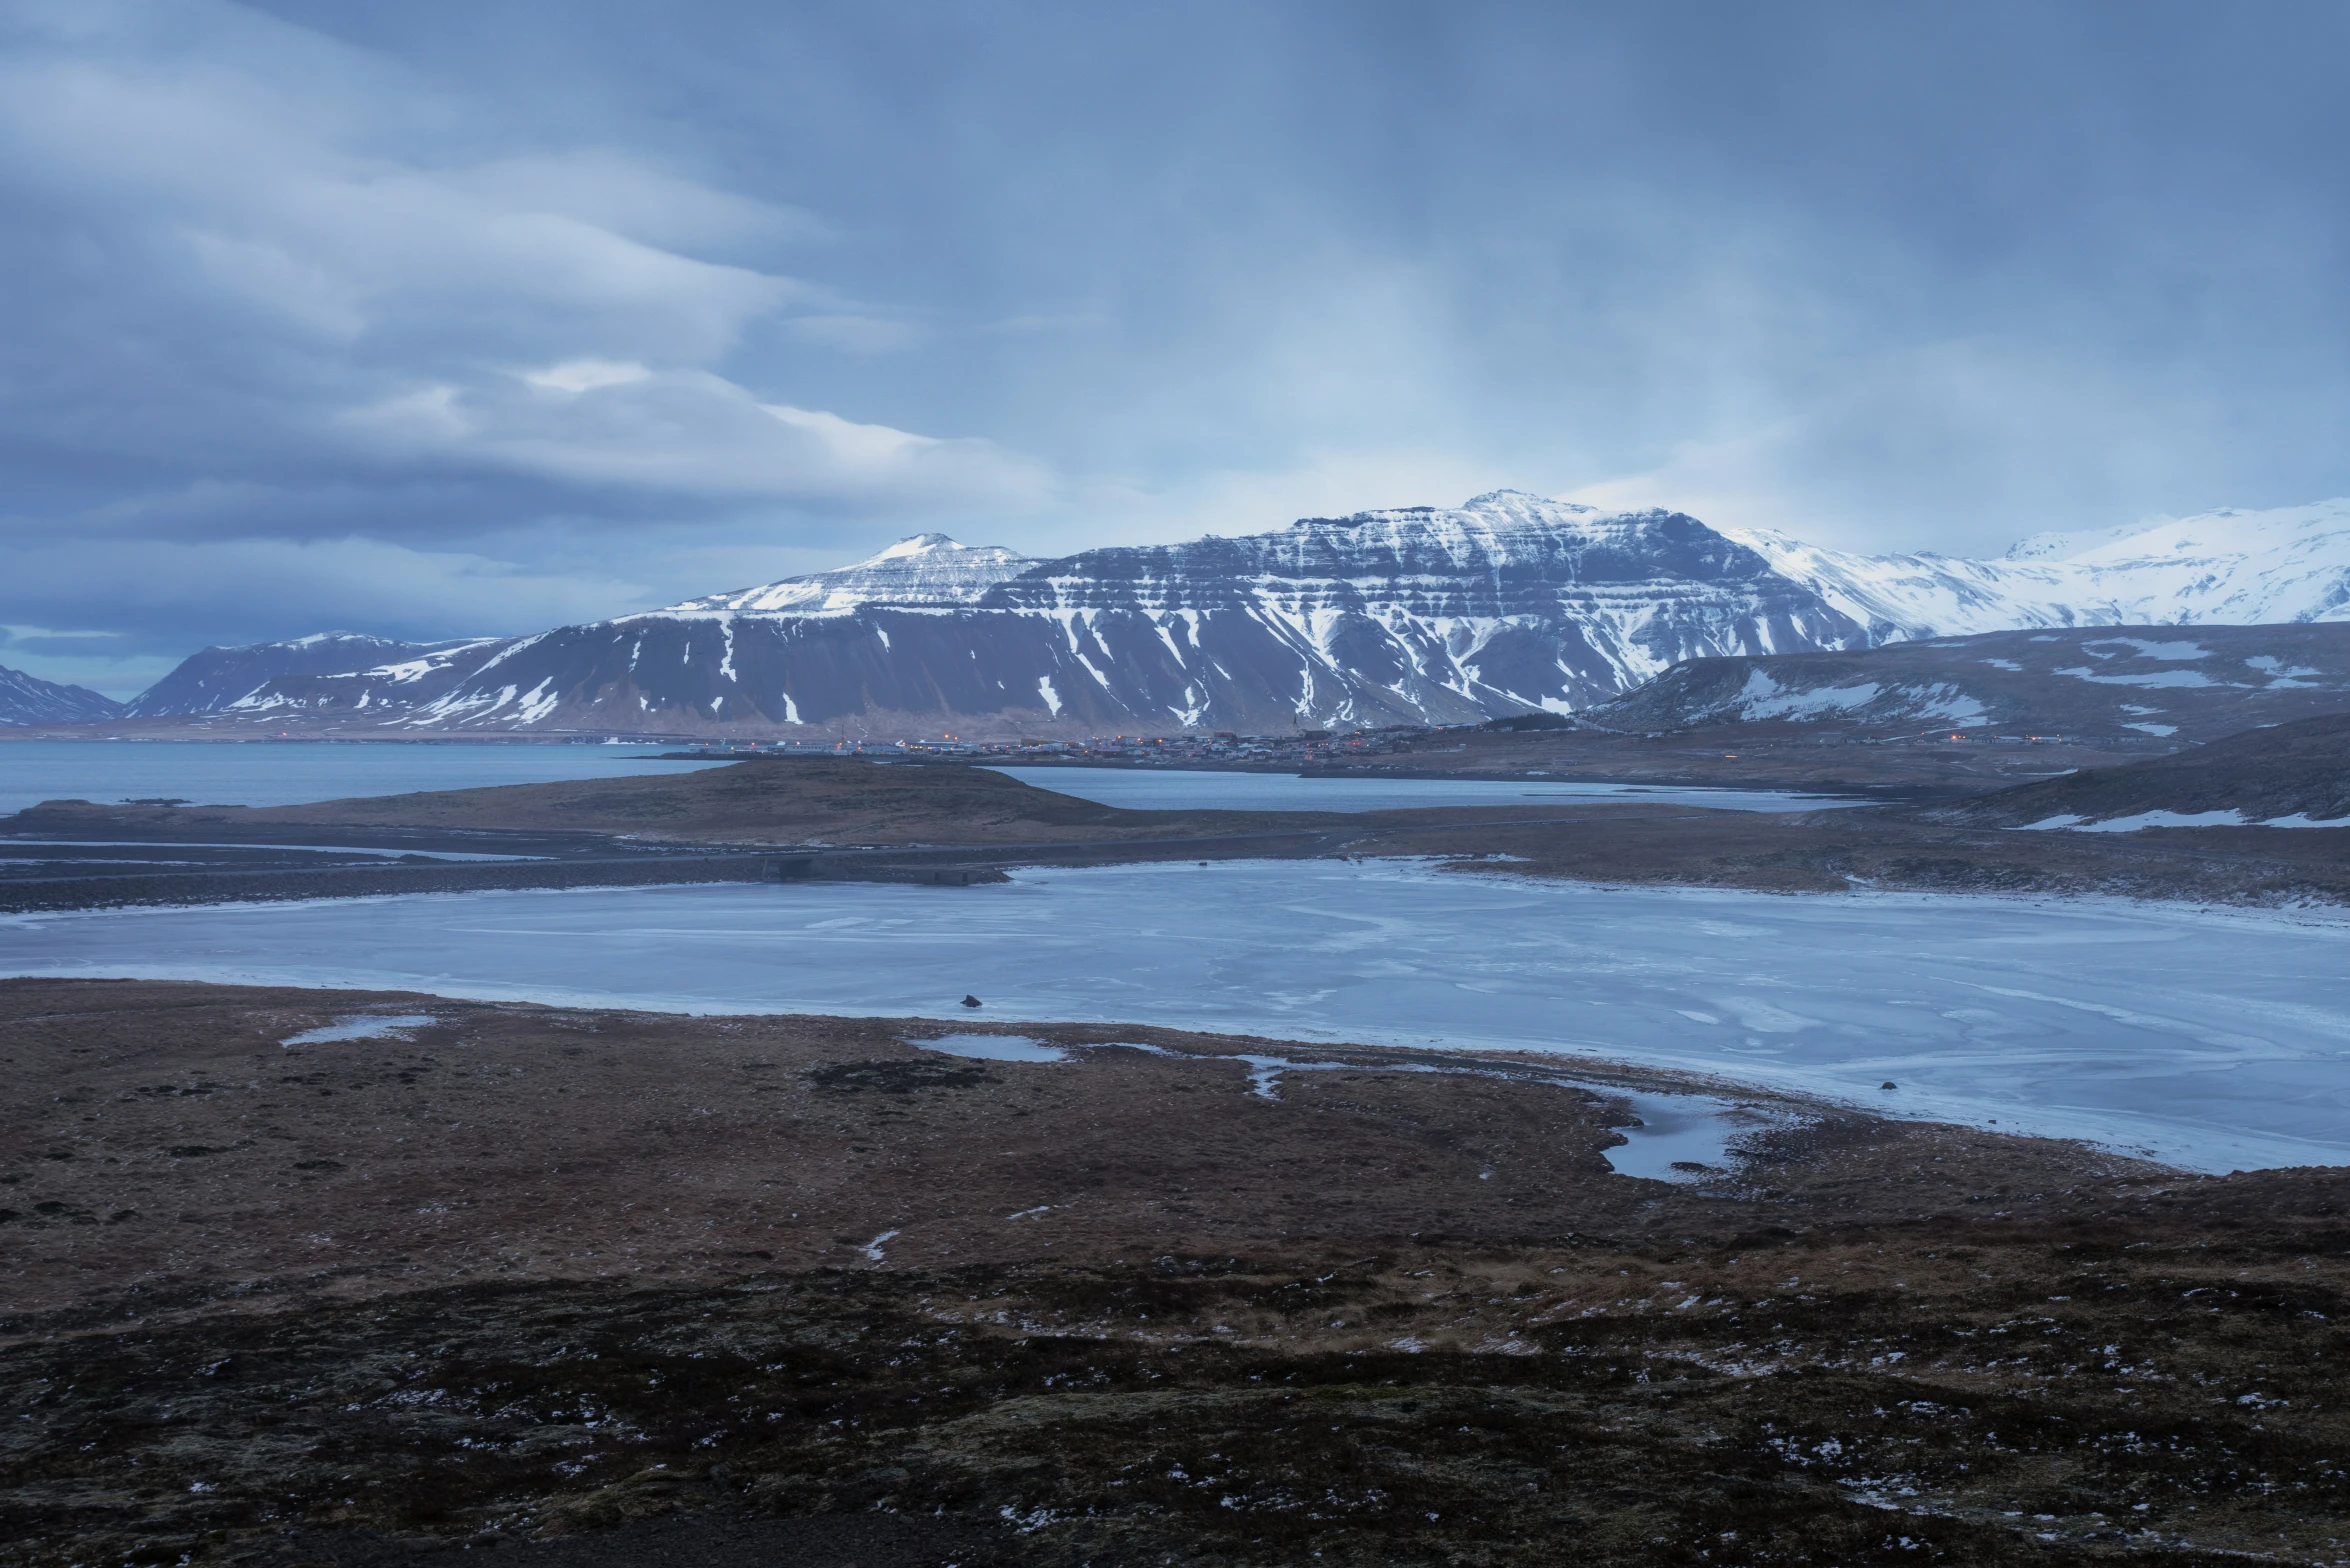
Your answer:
<point x="2218" y="568"/>
<point x="27" y="699"/>
<point x="219" y="679"/>
<point x="2150" y="682"/>
<point x="1506" y="603"/>
<point x="1413" y="615"/>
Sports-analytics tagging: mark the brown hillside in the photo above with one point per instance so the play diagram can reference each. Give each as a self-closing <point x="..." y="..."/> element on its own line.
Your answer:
<point x="2283" y="770"/>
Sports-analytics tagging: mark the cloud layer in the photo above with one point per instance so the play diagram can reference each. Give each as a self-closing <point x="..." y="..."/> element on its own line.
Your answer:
<point x="445" y="317"/>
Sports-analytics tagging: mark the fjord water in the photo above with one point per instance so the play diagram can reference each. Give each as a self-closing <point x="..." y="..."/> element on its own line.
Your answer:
<point x="2206" y="1038"/>
<point x="262" y="773"/>
<point x="265" y="773"/>
<point x="1194" y="789"/>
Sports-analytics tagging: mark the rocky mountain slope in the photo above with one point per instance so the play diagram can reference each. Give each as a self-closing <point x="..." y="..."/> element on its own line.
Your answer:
<point x="1506" y="604"/>
<point x="218" y="680"/>
<point x="1509" y="603"/>
<point x="2153" y="681"/>
<point x="28" y="699"/>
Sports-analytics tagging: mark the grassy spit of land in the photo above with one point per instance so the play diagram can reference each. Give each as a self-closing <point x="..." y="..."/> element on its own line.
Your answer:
<point x="610" y="1288"/>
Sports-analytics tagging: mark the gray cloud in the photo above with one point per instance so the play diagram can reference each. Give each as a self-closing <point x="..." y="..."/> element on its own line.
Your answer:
<point x="447" y="317"/>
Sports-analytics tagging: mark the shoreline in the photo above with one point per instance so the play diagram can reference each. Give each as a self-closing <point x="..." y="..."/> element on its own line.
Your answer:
<point x="1844" y="1082"/>
<point x="1602" y="843"/>
<point x="303" y="1276"/>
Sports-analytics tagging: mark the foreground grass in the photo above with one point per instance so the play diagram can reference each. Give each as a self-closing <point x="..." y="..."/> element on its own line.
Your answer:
<point x="1802" y="1398"/>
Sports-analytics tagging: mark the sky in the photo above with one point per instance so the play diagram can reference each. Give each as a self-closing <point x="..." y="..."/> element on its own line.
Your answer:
<point x="462" y="317"/>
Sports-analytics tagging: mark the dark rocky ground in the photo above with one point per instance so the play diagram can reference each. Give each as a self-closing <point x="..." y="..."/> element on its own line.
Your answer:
<point x="598" y="1289"/>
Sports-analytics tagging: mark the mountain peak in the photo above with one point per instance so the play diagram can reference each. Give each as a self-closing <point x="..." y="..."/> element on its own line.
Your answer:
<point x="1427" y="614"/>
<point x="1495" y="499"/>
<point x="927" y="569"/>
<point x="906" y="549"/>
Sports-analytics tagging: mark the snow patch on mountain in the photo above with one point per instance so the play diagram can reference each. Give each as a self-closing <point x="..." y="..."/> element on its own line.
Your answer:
<point x="928" y="569"/>
<point x="1506" y="603"/>
<point x="224" y="679"/>
<point x="2227" y="568"/>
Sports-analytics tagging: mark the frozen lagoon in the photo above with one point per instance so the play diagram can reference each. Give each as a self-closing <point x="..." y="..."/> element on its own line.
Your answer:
<point x="2214" y="1039"/>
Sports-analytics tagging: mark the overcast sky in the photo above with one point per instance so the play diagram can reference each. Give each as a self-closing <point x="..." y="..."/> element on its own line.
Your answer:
<point x="455" y="316"/>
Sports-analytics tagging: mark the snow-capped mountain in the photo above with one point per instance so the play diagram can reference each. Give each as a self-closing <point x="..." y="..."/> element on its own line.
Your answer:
<point x="1420" y="614"/>
<point x="1413" y="615"/>
<point x="2219" y="568"/>
<point x="28" y="699"/>
<point x="1423" y="613"/>
<point x="221" y="679"/>
<point x="926" y="571"/>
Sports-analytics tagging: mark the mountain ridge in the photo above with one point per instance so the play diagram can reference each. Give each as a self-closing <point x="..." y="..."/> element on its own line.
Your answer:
<point x="28" y="699"/>
<point x="2144" y="683"/>
<point x="1506" y="604"/>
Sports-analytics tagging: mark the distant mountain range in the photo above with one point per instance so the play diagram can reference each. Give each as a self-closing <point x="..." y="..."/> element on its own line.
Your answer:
<point x="27" y="699"/>
<point x="220" y="678"/>
<point x="1506" y="604"/>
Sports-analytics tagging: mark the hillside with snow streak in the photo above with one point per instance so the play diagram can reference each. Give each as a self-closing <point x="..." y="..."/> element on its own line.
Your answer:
<point x="28" y="699"/>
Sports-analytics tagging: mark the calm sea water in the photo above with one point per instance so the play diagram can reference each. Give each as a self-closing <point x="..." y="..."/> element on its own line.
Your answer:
<point x="215" y="773"/>
<point x="1173" y="789"/>
<point x="2211" y="1039"/>
<point x="263" y="774"/>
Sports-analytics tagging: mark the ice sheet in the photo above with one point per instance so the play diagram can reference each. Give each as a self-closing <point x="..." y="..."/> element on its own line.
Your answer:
<point x="2207" y="1037"/>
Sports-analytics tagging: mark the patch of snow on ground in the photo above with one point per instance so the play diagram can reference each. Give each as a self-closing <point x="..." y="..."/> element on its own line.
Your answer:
<point x="2166" y="652"/>
<point x="1808" y="704"/>
<point x="362" y="1026"/>
<point x="993" y="1048"/>
<point x="2158" y="678"/>
<point x="1950" y="704"/>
